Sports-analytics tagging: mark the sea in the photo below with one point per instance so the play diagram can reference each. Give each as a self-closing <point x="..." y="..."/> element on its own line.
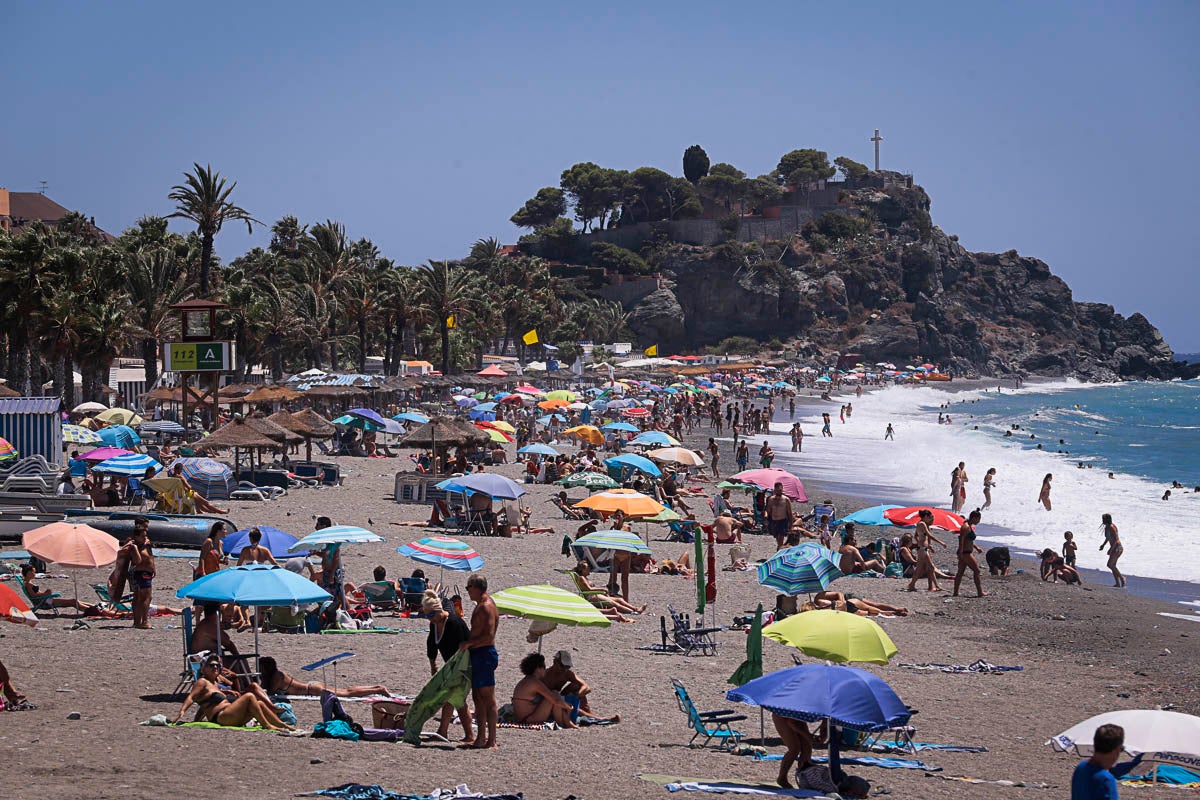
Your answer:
<point x="1112" y="448"/>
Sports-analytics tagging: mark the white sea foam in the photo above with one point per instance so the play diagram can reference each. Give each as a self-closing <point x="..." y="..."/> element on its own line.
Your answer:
<point x="1159" y="537"/>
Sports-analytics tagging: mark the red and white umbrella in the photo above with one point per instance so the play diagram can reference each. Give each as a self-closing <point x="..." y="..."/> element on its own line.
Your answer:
<point x="14" y="609"/>
<point x="909" y="516"/>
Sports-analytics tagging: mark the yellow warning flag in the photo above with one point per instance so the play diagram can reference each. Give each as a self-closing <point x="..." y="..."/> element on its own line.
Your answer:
<point x="530" y="337"/>
<point x="651" y="351"/>
<point x="451" y="322"/>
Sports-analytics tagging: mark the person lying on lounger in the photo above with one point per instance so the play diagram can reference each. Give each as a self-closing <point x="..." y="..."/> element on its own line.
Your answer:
<point x="853" y="604"/>
<point x="611" y="607"/>
<point x="532" y="701"/>
<point x="215" y="705"/>
<point x="280" y="683"/>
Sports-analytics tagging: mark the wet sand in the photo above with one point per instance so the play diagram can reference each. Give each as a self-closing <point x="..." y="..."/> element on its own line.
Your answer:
<point x="1084" y="651"/>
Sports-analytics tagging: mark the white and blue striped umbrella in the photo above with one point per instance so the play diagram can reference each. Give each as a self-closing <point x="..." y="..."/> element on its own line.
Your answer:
<point x="212" y="479"/>
<point x="807" y="567"/>
<point x="169" y="427"/>
<point x="337" y="534"/>
<point x="77" y="434"/>
<point x="134" y="464"/>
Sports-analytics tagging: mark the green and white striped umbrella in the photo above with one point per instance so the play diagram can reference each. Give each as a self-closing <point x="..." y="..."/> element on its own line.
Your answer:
<point x="588" y="479"/>
<point x="615" y="540"/>
<point x="550" y="604"/>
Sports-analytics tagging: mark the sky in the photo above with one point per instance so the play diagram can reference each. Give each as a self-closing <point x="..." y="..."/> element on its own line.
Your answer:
<point x="1066" y="131"/>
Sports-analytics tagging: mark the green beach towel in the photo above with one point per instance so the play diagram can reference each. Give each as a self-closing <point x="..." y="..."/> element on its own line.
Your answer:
<point x="451" y="684"/>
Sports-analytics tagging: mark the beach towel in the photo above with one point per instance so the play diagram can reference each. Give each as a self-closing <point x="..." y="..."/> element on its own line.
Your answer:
<point x="529" y="726"/>
<point x="661" y="648"/>
<point x="732" y="787"/>
<point x="451" y="684"/>
<point x="862" y="761"/>
<point x="333" y="631"/>
<point x="1014" y="784"/>
<point x="978" y="666"/>
<point x="359" y="791"/>
<point x="884" y="747"/>
<point x="1169" y="774"/>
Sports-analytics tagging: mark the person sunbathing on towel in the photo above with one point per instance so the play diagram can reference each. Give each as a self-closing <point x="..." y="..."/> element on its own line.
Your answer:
<point x="35" y="592"/>
<point x="215" y="705"/>
<point x="681" y="566"/>
<point x="533" y="703"/>
<point x="276" y="682"/>
<point x="853" y="604"/>
<point x="611" y="607"/>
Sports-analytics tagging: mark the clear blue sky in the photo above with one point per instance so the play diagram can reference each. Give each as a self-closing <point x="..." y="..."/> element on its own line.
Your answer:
<point x="1065" y="130"/>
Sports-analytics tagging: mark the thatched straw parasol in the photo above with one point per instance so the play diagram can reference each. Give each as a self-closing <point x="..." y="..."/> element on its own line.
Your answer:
<point x="270" y="394"/>
<point x="273" y="431"/>
<point x="443" y="432"/>
<point x="5" y="391"/>
<point x="307" y="423"/>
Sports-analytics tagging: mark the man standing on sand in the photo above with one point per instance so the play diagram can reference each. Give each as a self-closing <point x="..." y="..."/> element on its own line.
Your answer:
<point x="779" y="516"/>
<point x="484" y="660"/>
<point x="890" y="433"/>
<point x="1096" y="778"/>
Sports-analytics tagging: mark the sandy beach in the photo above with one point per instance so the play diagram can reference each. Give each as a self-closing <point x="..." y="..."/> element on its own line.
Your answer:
<point x="1083" y="651"/>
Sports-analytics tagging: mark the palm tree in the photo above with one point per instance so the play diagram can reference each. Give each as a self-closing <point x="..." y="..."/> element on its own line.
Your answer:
<point x="399" y="306"/>
<point x="154" y="282"/>
<point x="29" y="275"/>
<point x="106" y="331"/>
<point x="203" y="198"/>
<point x="443" y="291"/>
<point x="327" y="260"/>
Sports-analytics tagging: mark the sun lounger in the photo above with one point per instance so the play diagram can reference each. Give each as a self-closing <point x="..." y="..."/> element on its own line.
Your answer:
<point x="381" y="596"/>
<point x="709" y="724"/>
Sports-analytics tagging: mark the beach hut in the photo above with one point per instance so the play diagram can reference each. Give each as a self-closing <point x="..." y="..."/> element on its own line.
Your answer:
<point x="33" y="425"/>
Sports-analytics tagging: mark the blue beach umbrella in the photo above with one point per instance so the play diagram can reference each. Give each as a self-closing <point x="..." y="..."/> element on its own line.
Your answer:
<point x="488" y="483"/>
<point x="362" y="423"/>
<point x="637" y="462"/>
<point x="620" y="426"/>
<point x="546" y="420"/>
<point x="254" y="585"/>
<point x="846" y="696"/>
<point x="807" y="567"/>
<point x="275" y="540"/>
<point x="212" y="479"/>
<point x="537" y="448"/>
<point x="488" y="406"/>
<point x="655" y="439"/>
<point x="337" y="534"/>
<point x="133" y="464"/>
<point x="121" y="436"/>
<point x="411" y="416"/>
<point x="867" y="516"/>
<point x="614" y="540"/>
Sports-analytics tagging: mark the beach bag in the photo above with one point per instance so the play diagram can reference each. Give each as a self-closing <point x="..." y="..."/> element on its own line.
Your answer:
<point x="389" y="714"/>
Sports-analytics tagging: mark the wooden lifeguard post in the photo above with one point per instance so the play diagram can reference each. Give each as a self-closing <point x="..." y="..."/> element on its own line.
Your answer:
<point x="199" y="355"/>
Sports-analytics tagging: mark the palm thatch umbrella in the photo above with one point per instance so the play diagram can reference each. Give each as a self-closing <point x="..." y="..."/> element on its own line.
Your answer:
<point x="238" y="435"/>
<point x="306" y="423"/>
<point x="443" y="432"/>
<point x="5" y="391"/>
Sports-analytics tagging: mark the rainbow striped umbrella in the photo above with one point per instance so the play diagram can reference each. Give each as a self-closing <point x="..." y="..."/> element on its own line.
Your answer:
<point x="807" y="567"/>
<point x="7" y="451"/>
<point x="445" y="552"/>
<point x="77" y="434"/>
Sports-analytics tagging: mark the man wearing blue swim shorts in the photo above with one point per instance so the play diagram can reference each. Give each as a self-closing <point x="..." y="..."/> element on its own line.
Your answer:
<point x="484" y="660"/>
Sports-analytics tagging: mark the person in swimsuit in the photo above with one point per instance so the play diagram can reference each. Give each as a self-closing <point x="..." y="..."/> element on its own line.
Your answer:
<point x="484" y="660"/>
<point x="446" y="632"/>
<point x="141" y="572"/>
<point x="1069" y="548"/>
<point x="609" y="604"/>
<point x="966" y="553"/>
<point x="118" y="579"/>
<point x="35" y="592"/>
<point x="216" y="707"/>
<point x="202" y="505"/>
<point x="275" y="682"/>
<point x="779" y="516"/>
<point x="1044" y="495"/>
<point x="254" y="552"/>
<point x="1113" y="542"/>
<point x="212" y="552"/>
<point x="989" y="480"/>
<point x="923" y="538"/>
<point x="853" y="604"/>
<point x="532" y="701"/>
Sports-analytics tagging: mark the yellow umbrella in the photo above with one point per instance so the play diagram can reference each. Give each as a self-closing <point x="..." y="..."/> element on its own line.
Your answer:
<point x="562" y="394"/>
<point x="676" y="455"/>
<point x="120" y="416"/>
<point x="633" y="504"/>
<point x="588" y="433"/>
<point x="834" y="636"/>
<point x="496" y="436"/>
<point x="501" y="425"/>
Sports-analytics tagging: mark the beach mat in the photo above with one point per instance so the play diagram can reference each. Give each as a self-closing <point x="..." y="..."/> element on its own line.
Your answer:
<point x="674" y="783"/>
<point x="862" y="761"/>
<point x="978" y="666"/>
<point x="1014" y="784"/>
<point x="1168" y="774"/>
<point x="919" y="746"/>
<point x="359" y="791"/>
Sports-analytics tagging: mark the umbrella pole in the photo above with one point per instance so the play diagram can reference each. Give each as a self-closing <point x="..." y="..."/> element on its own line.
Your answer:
<point x="256" y="654"/>
<point x="762" y="727"/>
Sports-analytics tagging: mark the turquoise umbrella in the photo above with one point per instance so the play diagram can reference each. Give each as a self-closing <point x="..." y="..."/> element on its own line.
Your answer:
<point x="807" y="567"/>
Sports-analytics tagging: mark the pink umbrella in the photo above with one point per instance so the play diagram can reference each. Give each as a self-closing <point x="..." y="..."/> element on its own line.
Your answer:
<point x="907" y="517"/>
<point x="525" y="388"/>
<point x="767" y="478"/>
<point x="105" y="453"/>
<point x="79" y="546"/>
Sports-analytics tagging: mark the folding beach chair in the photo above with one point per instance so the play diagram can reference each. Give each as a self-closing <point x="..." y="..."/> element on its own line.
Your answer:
<point x="191" y="661"/>
<point x="412" y="592"/>
<point x="43" y="603"/>
<point x="709" y="724"/>
<point x="122" y="605"/>
<point x="591" y="595"/>
<point x="689" y="638"/>
<point x="381" y="596"/>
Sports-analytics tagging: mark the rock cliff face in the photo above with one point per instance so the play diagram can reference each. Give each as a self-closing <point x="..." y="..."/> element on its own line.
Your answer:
<point x="896" y="289"/>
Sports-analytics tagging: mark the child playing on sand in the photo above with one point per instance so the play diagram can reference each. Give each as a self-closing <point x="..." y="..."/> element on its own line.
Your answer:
<point x="1069" y="547"/>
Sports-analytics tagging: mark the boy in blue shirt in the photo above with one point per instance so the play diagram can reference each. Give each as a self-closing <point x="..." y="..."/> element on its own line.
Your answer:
<point x="1096" y="778"/>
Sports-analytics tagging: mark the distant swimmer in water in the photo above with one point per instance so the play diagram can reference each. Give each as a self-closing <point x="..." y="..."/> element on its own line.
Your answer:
<point x="1044" y="495"/>
<point x="1167" y="494"/>
<point x="1113" y="542"/>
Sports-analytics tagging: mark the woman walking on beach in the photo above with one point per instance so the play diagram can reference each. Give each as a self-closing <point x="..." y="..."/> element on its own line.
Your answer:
<point x="966" y="553"/>
<point x="989" y="480"/>
<point x="1113" y="542"/>
<point x="1044" y="496"/>
<point x="922" y="537"/>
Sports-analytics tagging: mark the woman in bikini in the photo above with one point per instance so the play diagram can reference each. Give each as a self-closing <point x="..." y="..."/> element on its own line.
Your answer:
<point x="613" y="607"/>
<point x="254" y="552"/>
<point x="280" y="683"/>
<point x="212" y="552"/>
<point x="1044" y="495"/>
<point x="216" y="707"/>
<point x="853" y="604"/>
<point x="1113" y="542"/>
<point x="989" y="480"/>
<point x="923" y="538"/>
<point x="966" y="553"/>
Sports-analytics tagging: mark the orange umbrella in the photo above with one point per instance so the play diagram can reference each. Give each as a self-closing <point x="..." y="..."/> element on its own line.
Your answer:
<point x="634" y="504"/>
<point x="14" y="609"/>
<point x="80" y="546"/>
<point x="550" y="405"/>
<point x="588" y="433"/>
